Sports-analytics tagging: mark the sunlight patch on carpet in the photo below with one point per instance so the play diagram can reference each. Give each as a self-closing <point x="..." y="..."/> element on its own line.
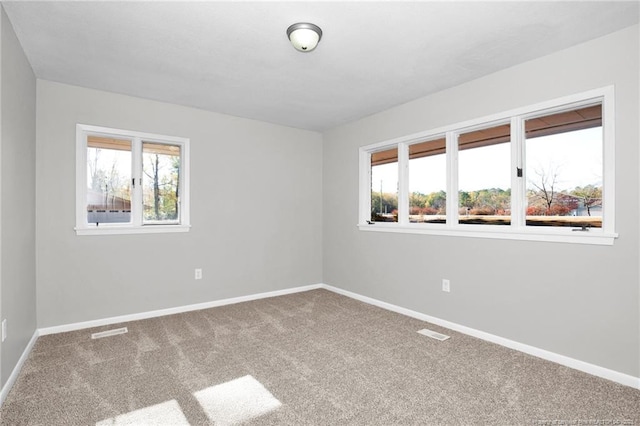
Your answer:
<point x="236" y="401"/>
<point x="165" y="413"/>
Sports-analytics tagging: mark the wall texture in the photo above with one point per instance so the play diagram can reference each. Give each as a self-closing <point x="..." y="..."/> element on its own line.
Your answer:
<point x="17" y="178"/>
<point x="576" y="300"/>
<point x="256" y="212"/>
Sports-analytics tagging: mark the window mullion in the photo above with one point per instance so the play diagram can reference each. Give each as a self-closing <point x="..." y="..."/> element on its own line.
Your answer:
<point x="403" y="184"/>
<point x="136" y="172"/>
<point x="184" y="184"/>
<point x="365" y="186"/>
<point x="81" y="178"/>
<point x="609" y="163"/>
<point x="452" y="178"/>
<point x="518" y="187"/>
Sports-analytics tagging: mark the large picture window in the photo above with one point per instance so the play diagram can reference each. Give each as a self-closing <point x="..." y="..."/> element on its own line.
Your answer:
<point x="130" y="182"/>
<point x="544" y="172"/>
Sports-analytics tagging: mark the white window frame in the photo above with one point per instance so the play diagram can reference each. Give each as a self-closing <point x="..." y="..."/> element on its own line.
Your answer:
<point x="518" y="230"/>
<point x="136" y="226"/>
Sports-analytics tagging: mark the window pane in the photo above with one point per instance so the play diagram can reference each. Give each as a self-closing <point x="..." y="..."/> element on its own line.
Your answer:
<point x="563" y="167"/>
<point x="428" y="182"/>
<point x="484" y="178"/>
<point x="160" y="182"/>
<point x="108" y="180"/>
<point x="384" y="186"/>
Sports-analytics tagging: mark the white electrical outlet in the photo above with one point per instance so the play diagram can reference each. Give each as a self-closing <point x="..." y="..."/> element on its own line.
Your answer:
<point x="198" y="275"/>
<point x="4" y="329"/>
<point x="446" y="285"/>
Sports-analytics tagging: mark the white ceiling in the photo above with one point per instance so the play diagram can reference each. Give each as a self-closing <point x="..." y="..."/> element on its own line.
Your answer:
<point x="234" y="57"/>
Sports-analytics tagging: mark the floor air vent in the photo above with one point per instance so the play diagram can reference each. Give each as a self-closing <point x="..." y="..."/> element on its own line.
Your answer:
<point x="433" y="334"/>
<point x="108" y="333"/>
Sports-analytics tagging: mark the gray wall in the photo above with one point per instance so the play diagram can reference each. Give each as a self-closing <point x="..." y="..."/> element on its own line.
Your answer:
<point x="577" y="300"/>
<point x="256" y="212"/>
<point x="17" y="177"/>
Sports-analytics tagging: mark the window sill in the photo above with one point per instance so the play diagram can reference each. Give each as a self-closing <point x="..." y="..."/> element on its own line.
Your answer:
<point x="119" y="230"/>
<point x="478" y="231"/>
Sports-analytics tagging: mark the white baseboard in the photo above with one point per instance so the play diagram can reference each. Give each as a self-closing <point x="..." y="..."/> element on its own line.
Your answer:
<point x="16" y="370"/>
<point x="133" y="317"/>
<point x="586" y="367"/>
<point x="170" y="311"/>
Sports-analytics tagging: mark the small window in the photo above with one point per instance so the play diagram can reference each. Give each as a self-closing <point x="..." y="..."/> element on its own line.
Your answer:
<point x="428" y="182"/>
<point x="130" y="182"/>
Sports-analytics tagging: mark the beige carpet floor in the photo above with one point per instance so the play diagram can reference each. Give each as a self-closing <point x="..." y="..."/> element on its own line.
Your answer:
<point x="303" y="359"/>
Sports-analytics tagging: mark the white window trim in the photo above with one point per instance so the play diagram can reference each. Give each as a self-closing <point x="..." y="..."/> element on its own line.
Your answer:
<point x="136" y="227"/>
<point x="518" y="229"/>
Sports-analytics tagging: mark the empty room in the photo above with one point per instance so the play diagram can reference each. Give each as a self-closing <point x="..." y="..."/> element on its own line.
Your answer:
<point x="319" y="213"/>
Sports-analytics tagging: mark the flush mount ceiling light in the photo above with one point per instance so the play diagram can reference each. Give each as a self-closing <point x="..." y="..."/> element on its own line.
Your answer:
<point x="304" y="36"/>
